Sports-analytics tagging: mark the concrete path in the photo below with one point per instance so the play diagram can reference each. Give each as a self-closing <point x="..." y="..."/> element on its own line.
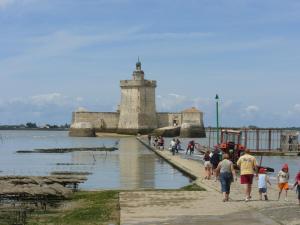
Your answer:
<point x="204" y="207"/>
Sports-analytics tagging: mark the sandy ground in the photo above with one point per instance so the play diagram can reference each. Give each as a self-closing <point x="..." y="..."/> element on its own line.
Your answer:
<point x="205" y="207"/>
<point x="192" y="208"/>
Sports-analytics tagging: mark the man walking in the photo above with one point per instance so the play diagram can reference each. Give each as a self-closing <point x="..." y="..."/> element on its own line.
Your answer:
<point x="248" y="167"/>
<point x="173" y="146"/>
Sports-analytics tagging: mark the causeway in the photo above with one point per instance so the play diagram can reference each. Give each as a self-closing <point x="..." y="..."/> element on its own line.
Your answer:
<point x="172" y="207"/>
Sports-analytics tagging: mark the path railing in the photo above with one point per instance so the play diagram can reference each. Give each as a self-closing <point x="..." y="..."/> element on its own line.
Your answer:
<point x="260" y="139"/>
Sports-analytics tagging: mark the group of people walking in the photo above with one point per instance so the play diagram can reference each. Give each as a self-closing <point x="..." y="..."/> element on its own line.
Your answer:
<point x="175" y="146"/>
<point x="248" y="167"/>
<point x="220" y="166"/>
<point x="158" y="142"/>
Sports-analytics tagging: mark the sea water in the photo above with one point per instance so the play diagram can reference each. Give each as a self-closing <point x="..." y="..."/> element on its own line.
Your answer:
<point x="133" y="166"/>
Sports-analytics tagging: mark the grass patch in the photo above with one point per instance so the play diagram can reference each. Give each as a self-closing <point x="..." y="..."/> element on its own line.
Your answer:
<point x="192" y="187"/>
<point x="88" y="208"/>
<point x="85" y="208"/>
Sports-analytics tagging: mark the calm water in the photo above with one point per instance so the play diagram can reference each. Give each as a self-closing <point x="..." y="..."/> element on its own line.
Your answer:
<point x="132" y="166"/>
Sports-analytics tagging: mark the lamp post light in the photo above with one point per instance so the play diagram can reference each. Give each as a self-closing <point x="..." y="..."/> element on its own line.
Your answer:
<point x="217" y="116"/>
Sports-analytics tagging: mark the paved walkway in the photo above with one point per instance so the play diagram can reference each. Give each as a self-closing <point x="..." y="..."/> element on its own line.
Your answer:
<point x="204" y="207"/>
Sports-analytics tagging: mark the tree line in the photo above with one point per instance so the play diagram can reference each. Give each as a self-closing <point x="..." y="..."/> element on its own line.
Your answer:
<point x="32" y="125"/>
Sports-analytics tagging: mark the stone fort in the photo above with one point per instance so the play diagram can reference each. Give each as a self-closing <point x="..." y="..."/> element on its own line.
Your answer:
<point x="137" y="114"/>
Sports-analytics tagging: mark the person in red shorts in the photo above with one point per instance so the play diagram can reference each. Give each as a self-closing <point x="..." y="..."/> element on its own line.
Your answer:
<point x="283" y="180"/>
<point x="248" y="167"/>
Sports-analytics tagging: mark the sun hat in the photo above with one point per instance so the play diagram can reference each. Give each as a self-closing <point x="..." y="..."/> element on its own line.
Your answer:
<point x="262" y="170"/>
<point x="285" y="166"/>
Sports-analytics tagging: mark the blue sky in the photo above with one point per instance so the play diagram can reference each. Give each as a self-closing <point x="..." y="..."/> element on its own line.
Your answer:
<point x="59" y="55"/>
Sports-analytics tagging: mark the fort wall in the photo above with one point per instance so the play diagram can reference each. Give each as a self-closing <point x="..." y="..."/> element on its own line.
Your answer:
<point x="88" y="123"/>
<point x="166" y="119"/>
<point x="101" y="121"/>
<point x="192" y="124"/>
<point x="137" y="113"/>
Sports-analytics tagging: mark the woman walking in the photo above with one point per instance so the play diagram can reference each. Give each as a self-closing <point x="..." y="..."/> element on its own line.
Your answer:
<point x="207" y="165"/>
<point x="214" y="160"/>
<point x="227" y="172"/>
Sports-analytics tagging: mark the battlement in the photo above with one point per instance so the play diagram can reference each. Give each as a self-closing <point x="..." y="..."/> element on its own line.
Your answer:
<point x="137" y="83"/>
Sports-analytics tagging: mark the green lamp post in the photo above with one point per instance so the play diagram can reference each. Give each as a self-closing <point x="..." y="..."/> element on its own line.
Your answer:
<point x="217" y="115"/>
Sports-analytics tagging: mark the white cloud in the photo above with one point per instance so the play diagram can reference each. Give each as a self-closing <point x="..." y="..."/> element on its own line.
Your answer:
<point x="250" y="112"/>
<point x="201" y="103"/>
<point x="176" y="102"/>
<point x="41" y="100"/>
<point x="251" y="109"/>
<point x="63" y="43"/>
<point x="295" y="110"/>
<point x="297" y="107"/>
<point x="43" y="108"/>
<point x="79" y="99"/>
<point x="176" y="96"/>
<point x="5" y="3"/>
<point x="172" y="102"/>
<point x="227" y="104"/>
<point x="52" y="98"/>
<point x="81" y="109"/>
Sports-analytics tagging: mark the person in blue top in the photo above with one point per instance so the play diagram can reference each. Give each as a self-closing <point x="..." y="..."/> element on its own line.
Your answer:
<point x="214" y="160"/>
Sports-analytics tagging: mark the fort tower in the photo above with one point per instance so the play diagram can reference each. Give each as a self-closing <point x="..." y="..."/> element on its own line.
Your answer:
<point x="137" y="107"/>
<point x="137" y="114"/>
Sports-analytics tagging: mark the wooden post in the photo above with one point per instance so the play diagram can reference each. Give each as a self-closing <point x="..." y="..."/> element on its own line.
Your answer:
<point x="280" y="134"/>
<point x="246" y="138"/>
<point x="209" y="135"/>
<point x="270" y="140"/>
<point x="257" y="139"/>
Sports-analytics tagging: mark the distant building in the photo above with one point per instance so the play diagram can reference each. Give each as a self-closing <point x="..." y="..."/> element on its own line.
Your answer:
<point x="137" y="113"/>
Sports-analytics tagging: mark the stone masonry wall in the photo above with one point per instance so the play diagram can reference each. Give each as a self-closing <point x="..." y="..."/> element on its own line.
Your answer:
<point x="165" y="119"/>
<point x="137" y="109"/>
<point x="106" y="121"/>
<point x="192" y="117"/>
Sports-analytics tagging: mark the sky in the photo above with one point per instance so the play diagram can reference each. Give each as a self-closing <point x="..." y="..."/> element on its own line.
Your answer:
<point x="58" y="56"/>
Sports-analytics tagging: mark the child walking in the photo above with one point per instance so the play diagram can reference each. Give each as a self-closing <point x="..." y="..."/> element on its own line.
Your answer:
<point x="297" y="185"/>
<point x="283" y="180"/>
<point x="263" y="180"/>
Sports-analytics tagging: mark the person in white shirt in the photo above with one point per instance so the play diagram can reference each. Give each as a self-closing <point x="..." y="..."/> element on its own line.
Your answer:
<point x="173" y="146"/>
<point x="283" y="180"/>
<point x="263" y="180"/>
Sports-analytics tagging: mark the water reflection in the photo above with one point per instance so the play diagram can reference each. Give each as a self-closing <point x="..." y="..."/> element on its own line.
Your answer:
<point x="137" y="167"/>
<point x="132" y="166"/>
